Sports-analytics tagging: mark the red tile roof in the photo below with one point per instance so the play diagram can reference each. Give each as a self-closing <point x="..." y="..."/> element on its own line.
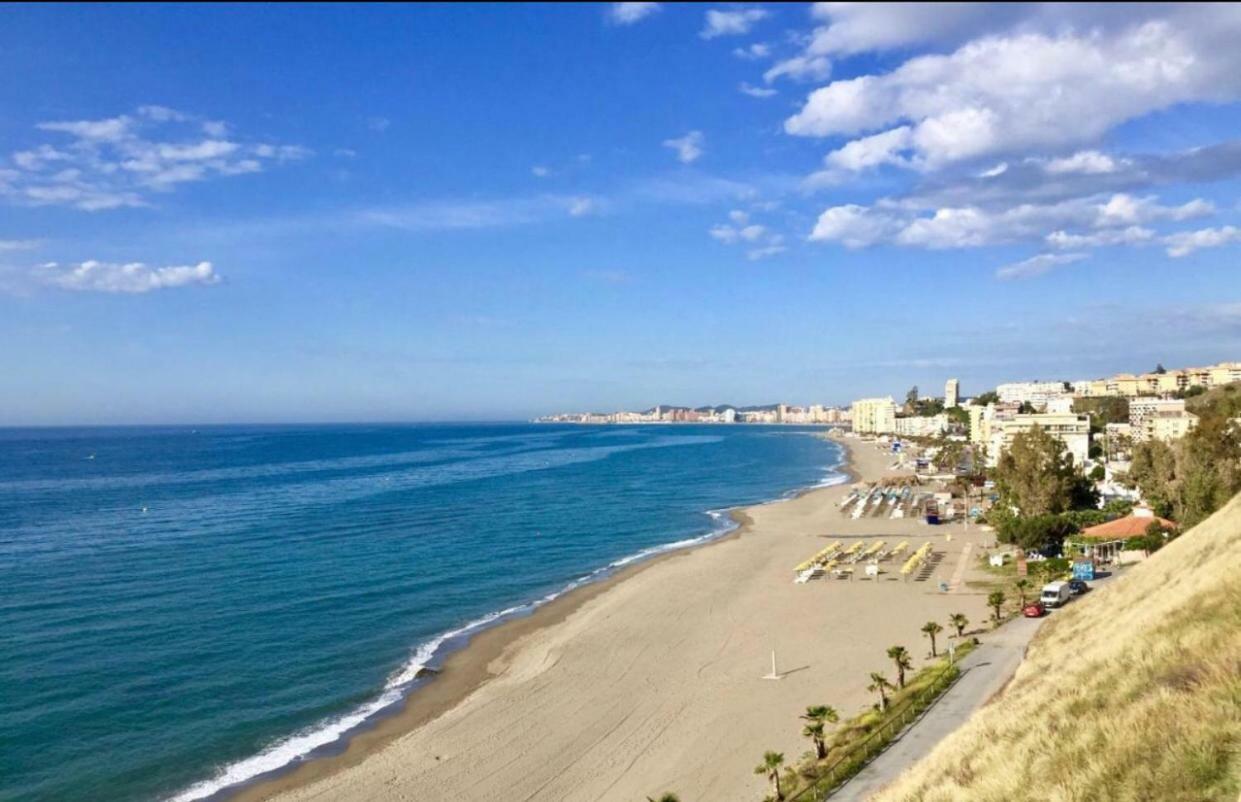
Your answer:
<point x="1127" y="527"/>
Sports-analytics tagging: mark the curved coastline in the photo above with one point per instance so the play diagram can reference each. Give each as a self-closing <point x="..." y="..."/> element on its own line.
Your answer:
<point x="425" y="691"/>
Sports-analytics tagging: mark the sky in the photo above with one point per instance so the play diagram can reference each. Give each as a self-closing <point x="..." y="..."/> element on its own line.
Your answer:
<point x="254" y="213"/>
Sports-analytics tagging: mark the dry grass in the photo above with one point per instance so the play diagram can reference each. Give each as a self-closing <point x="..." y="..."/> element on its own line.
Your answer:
<point x="1131" y="693"/>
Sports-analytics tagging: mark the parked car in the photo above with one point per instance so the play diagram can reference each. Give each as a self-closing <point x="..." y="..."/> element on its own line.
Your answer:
<point x="1034" y="610"/>
<point x="1078" y="586"/>
<point x="1055" y="594"/>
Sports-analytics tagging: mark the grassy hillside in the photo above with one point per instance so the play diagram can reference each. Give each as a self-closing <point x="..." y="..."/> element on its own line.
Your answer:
<point x="1131" y="693"/>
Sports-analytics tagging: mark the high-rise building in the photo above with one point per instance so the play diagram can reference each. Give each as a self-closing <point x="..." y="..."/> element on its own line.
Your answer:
<point x="874" y="415"/>
<point x="952" y="393"/>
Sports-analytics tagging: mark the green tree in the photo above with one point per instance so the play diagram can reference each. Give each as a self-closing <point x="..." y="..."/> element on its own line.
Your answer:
<point x="879" y="684"/>
<point x="911" y="398"/>
<point x="1103" y="410"/>
<point x="989" y="397"/>
<point x="1022" y="585"/>
<point x="900" y="657"/>
<point x="819" y="716"/>
<point x="772" y="761"/>
<point x="1153" y="471"/>
<point x="1210" y="467"/>
<point x="1036" y="474"/>
<point x="995" y="600"/>
<point x="1036" y="532"/>
<point x="1160" y="369"/>
<point x="960" y="622"/>
<point x="931" y="629"/>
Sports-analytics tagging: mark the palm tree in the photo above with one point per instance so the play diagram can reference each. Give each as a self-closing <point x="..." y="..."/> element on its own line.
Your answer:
<point x="901" y="658"/>
<point x="879" y="684"/>
<point x="819" y="717"/>
<point x="1022" y="585"/>
<point x="669" y="797"/>
<point x="996" y="601"/>
<point x="815" y="733"/>
<point x="771" y="767"/>
<point x="960" y="622"/>
<point x="931" y="629"/>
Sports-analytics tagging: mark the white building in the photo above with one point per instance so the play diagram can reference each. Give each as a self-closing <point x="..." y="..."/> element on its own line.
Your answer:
<point x="1141" y="409"/>
<point x="874" y="415"/>
<point x="1036" y="393"/>
<point x="952" y="394"/>
<point x="917" y="426"/>
<point x="1072" y="430"/>
<point x="1061" y="405"/>
<point x="1167" y="426"/>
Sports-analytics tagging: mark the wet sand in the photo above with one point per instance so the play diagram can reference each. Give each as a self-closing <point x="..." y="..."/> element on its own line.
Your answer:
<point x="651" y="680"/>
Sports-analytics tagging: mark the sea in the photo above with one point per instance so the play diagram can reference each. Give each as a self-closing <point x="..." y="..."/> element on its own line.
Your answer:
<point x="186" y="610"/>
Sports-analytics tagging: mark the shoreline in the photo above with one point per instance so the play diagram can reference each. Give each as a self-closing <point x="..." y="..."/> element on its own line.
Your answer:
<point x="467" y="669"/>
<point x="651" y="680"/>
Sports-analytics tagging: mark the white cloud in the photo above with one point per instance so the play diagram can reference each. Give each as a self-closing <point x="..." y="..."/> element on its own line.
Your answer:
<point x="871" y="151"/>
<point x="861" y="27"/>
<point x="853" y="226"/>
<point x="1133" y="235"/>
<point x="1122" y="209"/>
<point x="113" y="129"/>
<point x="754" y="254"/>
<point x="688" y="148"/>
<point x="973" y="226"/>
<point x="18" y="245"/>
<point x="378" y="124"/>
<point x="134" y="277"/>
<point x="539" y="171"/>
<point x="995" y="171"/>
<point x="1037" y="265"/>
<point x="629" y="13"/>
<point x="755" y="52"/>
<point x="1186" y="242"/>
<point x="1009" y="93"/>
<point x="580" y="207"/>
<point x="1089" y="162"/>
<point x="741" y="230"/>
<point x="755" y="91"/>
<point x="116" y="162"/>
<point x="730" y="23"/>
<point x="800" y="68"/>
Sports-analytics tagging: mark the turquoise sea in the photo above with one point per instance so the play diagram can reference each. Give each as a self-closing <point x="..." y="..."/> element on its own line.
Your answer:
<point x="183" y="610"/>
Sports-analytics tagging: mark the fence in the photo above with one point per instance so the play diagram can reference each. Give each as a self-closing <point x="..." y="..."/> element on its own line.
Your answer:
<point x="829" y="777"/>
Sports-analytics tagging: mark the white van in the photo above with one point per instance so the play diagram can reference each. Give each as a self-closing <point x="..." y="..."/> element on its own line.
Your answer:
<point x="1055" y="594"/>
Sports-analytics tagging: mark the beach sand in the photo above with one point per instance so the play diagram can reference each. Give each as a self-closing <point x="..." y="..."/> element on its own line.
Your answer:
<point x="651" y="681"/>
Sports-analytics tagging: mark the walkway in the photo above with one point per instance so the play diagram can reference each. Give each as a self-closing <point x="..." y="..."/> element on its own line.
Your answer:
<point x="984" y="672"/>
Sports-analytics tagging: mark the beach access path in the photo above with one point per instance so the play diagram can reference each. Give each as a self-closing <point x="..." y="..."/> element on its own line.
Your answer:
<point x="984" y="673"/>
<point x="653" y="683"/>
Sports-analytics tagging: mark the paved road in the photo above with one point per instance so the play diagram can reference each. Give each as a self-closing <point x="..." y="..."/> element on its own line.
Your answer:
<point x="984" y="672"/>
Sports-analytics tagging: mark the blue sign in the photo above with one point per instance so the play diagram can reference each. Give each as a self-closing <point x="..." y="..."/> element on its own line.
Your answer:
<point x="896" y="446"/>
<point x="1084" y="570"/>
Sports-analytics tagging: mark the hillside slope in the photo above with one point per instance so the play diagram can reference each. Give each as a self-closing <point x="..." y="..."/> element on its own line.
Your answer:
<point x="1130" y="693"/>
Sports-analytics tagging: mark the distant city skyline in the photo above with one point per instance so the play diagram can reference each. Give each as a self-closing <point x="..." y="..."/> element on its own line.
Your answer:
<point x="500" y="212"/>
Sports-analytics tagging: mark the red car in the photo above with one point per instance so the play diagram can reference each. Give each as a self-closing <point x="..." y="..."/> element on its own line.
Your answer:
<point x="1034" y="609"/>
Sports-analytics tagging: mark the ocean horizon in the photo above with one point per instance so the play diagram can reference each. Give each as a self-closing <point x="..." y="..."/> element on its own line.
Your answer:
<point x="191" y="608"/>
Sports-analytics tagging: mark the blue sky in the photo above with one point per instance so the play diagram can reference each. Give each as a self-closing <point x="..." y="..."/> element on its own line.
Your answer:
<point x="213" y="214"/>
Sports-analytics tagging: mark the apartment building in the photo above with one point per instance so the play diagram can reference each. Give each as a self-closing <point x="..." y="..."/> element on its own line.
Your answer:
<point x="874" y="415"/>
<point x="1072" y="430"/>
<point x="952" y="393"/>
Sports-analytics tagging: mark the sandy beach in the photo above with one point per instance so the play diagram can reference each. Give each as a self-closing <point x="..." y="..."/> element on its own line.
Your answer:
<point x="651" y="681"/>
